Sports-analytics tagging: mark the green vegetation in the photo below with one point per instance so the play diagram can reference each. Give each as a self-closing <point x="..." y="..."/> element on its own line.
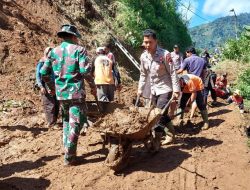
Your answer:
<point x="214" y="34"/>
<point x="243" y="83"/>
<point x="239" y="50"/>
<point x="135" y="16"/>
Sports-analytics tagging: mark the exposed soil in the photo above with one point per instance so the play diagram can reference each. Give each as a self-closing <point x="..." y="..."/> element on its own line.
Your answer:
<point x="31" y="154"/>
<point x="122" y="121"/>
<point x="214" y="159"/>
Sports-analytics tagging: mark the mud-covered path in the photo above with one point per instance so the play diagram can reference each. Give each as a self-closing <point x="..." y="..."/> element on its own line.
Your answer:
<point x="214" y="159"/>
<point x="31" y="155"/>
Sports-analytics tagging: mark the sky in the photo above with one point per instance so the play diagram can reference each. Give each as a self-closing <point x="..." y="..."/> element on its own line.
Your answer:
<point x="209" y="10"/>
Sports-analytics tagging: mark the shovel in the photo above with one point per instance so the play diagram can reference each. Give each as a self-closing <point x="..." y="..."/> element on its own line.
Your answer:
<point x="163" y="111"/>
<point x="156" y="118"/>
<point x="137" y="101"/>
<point x="119" y="96"/>
<point x="98" y="104"/>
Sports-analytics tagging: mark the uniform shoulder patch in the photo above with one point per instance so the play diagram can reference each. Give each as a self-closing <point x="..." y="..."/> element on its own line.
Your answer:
<point x="169" y="58"/>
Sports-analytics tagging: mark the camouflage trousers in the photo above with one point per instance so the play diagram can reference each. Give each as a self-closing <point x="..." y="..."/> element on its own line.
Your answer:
<point x="74" y="117"/>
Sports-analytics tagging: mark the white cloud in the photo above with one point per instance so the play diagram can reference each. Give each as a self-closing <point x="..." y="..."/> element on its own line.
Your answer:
<point x="192" y="5"/>
<point x="222" y="7"/>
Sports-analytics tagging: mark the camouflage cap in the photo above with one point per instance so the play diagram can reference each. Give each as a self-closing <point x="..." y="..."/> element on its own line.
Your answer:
<point x="68" y="29"/>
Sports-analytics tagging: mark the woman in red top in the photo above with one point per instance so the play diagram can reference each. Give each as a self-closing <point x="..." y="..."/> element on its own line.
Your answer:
<point x="237" y="99"/>
<point x="221" y="82"/>
<point x="221" y="87"/>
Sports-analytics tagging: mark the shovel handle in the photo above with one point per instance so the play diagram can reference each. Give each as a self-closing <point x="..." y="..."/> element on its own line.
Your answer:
<point x="119" y="96"/>
<point x="166" y="106"/>
<point x="97" y="103"/>
<point x="137" y="100"/>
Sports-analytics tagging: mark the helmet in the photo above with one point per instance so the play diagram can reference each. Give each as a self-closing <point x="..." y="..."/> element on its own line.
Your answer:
<point x="68" y="29"/>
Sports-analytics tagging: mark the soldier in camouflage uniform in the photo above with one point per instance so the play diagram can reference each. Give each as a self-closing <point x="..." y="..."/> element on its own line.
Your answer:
<point x="69" y="62"/>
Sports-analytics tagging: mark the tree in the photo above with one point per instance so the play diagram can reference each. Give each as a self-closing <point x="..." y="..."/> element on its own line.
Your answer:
<point x="161" y="15"/>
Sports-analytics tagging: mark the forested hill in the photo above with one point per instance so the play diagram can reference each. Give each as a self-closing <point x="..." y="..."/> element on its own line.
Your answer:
<point x="132" y="17"/>
<point x="214" y="34"/>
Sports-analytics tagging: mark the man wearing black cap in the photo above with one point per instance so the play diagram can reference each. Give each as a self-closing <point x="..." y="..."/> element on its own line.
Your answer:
<point x="156" y="63"/>
<point x="177" y="57"/>
<point x="69" y="62"/>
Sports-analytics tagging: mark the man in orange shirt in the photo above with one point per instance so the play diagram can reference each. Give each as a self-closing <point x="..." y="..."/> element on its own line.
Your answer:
<point x="192" y="87"/>
<point x="116" y="73"/>
<point x="104" y="76"/>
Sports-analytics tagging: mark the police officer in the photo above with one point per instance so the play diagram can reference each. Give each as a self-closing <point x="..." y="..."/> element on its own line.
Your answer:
<point x="156" y="63"/>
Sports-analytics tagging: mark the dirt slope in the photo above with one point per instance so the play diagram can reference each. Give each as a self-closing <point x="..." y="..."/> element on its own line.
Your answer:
<point x="27" y="27"/>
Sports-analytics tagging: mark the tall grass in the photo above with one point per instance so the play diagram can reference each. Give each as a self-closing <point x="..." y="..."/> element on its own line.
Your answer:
<point x="239" y="50"/>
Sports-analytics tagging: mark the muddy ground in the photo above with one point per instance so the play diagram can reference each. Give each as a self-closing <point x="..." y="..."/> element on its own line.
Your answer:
<point x="122" y="121"/>
<point x="31" y="157"/>
<point x="31" y="154"/>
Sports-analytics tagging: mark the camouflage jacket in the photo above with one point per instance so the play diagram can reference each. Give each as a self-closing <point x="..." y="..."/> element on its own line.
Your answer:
<point x="69" y="62"/>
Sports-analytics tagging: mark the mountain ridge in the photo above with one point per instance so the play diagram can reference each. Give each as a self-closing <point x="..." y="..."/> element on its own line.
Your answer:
<point x="216" y="33"/>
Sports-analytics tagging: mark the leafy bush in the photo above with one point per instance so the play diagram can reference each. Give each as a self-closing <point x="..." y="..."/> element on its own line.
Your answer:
<point x="135" y="16"/>
<point x="238" y="50"/>
<point x="243" y="83"/>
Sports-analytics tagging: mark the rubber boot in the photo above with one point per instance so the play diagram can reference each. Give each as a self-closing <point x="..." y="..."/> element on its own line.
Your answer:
<point x="204" y="116"/>
<point x="180" y="117"/>
<point x="214" y="103"/>
<point x="170" y="133"/>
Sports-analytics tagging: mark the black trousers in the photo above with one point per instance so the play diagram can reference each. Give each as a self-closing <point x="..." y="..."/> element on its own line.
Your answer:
<point x="206" y="92"/>
<point x="50" y="107"/>
<point x="199" y="100"/>
<point x="160" y="101"/>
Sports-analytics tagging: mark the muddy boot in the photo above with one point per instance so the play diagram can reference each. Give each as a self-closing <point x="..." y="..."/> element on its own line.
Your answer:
<point x="214" y="103"/>
<point x="71" y="162"/>
<point x="180" y="121"/>
<point x="204" y="116"/>
<point x="170" y="133"/>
